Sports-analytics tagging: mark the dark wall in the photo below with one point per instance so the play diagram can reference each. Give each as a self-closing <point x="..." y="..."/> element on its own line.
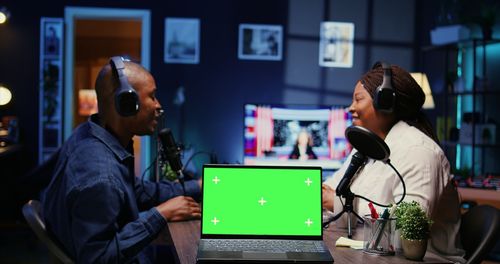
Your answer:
<point x="217" y="88"/>
<point x="213" y="87"/>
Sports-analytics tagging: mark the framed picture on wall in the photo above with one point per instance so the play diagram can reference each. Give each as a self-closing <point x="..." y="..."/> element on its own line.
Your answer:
<point x="260" y="42"/>
<point x="182" y="40"/>
<point x="50" y="87"/>
<point x="336" y="47"/>
<point x="52" y="33"/>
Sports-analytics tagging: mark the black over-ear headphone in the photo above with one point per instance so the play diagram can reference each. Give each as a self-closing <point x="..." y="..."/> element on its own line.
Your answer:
<point x="126" y="99"/>
<point x="385" y="96"/>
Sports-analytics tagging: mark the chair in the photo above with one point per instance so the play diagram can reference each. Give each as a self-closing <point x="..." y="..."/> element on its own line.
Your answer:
<point x="479" y="231"/>
<point x="32" y="214"/>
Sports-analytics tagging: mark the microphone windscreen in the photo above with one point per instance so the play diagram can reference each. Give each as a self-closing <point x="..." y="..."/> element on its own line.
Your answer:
<point x="367" y="142"/>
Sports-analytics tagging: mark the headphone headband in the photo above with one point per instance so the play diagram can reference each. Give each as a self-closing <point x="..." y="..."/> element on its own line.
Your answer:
<point x="117" y="64"/>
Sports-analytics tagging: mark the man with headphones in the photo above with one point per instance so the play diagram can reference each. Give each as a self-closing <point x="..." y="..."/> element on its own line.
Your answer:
<point x="94" y="205"/>
<point x="388" y="101"/>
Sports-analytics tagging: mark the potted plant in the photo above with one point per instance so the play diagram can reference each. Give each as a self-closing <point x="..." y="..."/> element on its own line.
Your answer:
<point x="415" y="229"/>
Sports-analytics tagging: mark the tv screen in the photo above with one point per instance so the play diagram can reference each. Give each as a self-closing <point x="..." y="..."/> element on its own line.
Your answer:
<point x="296" y="135"/>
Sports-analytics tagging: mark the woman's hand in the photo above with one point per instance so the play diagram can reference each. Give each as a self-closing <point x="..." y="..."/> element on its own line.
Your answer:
<point x="328" y="195"/>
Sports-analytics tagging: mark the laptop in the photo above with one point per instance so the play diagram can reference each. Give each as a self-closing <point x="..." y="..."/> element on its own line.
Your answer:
<point x="262" y="214"/>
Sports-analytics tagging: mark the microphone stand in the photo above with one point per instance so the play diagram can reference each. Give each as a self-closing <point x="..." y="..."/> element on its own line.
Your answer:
<point x="180" y="177"/>
<point x="349" y="209"/>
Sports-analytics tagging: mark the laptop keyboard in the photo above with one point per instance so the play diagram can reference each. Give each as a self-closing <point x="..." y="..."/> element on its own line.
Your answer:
<point x="263" y="245"/>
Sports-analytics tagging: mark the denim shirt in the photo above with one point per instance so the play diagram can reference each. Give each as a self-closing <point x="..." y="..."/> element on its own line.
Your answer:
<point x="93" y="202"/>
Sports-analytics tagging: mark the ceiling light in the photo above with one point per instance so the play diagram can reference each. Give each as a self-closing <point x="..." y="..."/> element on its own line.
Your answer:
<point x="4" y="14"/>
<point x="5" y="95"/>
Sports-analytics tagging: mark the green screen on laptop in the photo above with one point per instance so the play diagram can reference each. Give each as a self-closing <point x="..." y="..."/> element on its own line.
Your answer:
<point x="245" y="200"/>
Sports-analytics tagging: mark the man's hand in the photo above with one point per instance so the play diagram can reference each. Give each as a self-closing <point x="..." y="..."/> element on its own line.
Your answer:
<point x="180" y="208"/>
<point x="328" y="195"/>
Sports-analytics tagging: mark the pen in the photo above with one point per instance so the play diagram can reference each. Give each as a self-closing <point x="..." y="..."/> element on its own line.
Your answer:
<point x="373" y="212"/>
<point x="380" y="228"/>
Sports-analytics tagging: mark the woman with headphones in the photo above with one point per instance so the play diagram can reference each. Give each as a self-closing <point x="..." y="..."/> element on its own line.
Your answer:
<point x="388" y="101"/>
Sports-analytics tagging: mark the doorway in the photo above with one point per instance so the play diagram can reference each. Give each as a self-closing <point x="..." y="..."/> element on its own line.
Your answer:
<point x="93" y="35"/>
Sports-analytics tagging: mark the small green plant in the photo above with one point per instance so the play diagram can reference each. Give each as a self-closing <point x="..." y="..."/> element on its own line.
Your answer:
<point x="413" y="221"/>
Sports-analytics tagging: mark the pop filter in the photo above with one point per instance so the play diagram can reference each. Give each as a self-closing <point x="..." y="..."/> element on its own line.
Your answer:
<point x="368" y="143"/>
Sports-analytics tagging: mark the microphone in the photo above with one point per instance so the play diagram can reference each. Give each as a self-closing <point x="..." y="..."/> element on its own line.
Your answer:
<point x="374" y="147"/>
<point x="171" y="153"/>
<point x="367" y="144"/>
<point x="344" y="190"/>
<point x="357" y="160"/>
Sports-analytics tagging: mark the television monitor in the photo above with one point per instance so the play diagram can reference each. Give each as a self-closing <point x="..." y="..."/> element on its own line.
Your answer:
<point x="273" y="133"/>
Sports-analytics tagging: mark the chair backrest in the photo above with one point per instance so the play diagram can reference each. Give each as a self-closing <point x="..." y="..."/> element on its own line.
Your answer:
<point x="479" y="231"/>
<point x="32" y="214"/>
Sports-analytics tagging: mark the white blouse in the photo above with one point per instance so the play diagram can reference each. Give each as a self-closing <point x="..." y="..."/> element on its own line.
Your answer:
<point x="426" y="173"/>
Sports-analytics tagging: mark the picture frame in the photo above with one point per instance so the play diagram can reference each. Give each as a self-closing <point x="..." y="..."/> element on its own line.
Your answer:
<point x="87" y="102"/>
<point x="260" y="42"/>
<point x="182" y="40"/>
<point x="50" y="87"/>
<point x="336" y="48"/>
<point x="52" y="32"/>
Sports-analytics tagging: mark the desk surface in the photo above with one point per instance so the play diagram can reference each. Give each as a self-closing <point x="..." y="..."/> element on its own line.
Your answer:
<point x="185" y="237"/>
<point x="481" y="196"/>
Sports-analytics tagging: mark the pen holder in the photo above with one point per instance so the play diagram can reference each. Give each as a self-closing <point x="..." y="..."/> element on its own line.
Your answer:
<point x="379" y="236"/>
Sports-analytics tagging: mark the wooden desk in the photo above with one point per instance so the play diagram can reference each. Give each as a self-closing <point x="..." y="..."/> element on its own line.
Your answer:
<point x="185" y="237"/>
<point x="481" y="196"/>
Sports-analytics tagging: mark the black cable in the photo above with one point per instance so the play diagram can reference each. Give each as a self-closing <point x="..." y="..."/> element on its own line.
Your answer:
<point x="330" y="219"/>
<point x="402" y="182"/>
<point x="144" y="173"/>
<point x="325" y="225"/>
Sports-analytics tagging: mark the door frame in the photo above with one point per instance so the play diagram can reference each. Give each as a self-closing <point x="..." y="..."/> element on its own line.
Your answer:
<point x="70" y="14"/>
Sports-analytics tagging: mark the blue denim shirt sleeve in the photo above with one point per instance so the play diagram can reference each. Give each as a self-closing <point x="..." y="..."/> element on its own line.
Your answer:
<point x="95" y="230"/>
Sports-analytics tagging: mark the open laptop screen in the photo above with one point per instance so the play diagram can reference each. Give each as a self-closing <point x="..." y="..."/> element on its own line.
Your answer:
<point x="261" y="201"/>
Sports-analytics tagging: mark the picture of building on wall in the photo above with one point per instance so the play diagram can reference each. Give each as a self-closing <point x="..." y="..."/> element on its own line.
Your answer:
<point x="260" y="42"/>
<point x="336" y="44"/>
<point x="182" y="40"/>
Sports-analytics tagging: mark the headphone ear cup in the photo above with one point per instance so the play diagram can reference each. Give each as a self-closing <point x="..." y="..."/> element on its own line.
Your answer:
<point x="385" y="96"/>
<point x="126" y="98"/>
<point x="385" y="99"/>
<point x="127" y="102"/>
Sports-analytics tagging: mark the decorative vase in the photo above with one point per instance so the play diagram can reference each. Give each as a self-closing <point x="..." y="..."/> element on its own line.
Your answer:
<point x="414" y="249"/>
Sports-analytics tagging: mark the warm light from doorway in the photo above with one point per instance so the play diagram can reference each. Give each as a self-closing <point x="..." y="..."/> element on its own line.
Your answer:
<point x="422" y="80"/>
